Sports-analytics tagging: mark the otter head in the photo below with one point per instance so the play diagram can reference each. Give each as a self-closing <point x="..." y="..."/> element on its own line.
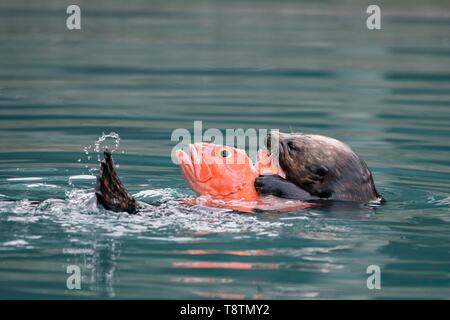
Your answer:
<point x="324" y="167"/>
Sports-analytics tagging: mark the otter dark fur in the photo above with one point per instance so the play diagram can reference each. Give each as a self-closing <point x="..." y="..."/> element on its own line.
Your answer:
<point x="110" y="192"/>
<point x="318" y="167"/>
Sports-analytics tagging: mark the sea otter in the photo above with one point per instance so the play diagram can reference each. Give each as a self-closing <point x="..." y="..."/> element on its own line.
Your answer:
<point x="317" y="168"/>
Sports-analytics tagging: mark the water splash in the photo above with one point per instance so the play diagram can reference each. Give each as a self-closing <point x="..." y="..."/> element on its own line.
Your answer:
<point x="110" y="141"/>
<point x="102" y="143"/>
<point x="78" y="214"/>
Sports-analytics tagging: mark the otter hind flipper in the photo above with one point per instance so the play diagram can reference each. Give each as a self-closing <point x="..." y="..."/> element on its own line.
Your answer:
<point x="110" y="192"/>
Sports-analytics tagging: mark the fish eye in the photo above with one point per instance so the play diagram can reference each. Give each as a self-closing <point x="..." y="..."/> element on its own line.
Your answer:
<point x="224" y="153"/>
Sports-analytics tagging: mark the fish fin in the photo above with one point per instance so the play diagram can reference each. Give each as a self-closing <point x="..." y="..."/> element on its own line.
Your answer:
<point x="203" y="172"/>
<point x="110" y="192"/>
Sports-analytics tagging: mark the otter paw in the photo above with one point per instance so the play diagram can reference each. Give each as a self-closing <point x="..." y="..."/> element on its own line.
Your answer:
<point x="268" y="184"/>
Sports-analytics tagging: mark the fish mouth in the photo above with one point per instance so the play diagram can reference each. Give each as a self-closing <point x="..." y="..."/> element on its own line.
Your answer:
<point x="191" y="163"/>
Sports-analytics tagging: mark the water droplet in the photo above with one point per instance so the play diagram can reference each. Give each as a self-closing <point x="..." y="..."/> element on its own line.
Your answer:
<point x="102" y="143"/>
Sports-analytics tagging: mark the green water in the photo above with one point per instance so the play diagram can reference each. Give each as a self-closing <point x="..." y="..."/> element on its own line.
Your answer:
<point x="146" y="68"/>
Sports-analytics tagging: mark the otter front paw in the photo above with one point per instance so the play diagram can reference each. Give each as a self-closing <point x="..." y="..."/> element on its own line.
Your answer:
<point x="268" y="184"/>
<point x="272" y="184"/>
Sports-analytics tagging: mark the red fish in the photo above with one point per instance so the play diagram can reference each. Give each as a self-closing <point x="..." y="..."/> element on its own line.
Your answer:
<point x="225" y="177"/>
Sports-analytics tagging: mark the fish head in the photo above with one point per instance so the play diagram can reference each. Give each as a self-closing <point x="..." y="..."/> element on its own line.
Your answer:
<point x="218" y="170"/>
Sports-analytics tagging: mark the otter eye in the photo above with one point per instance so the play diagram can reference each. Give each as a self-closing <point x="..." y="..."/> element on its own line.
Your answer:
<point x="320" y="170"/>
<point x="292" y="146"/>
<point x="224" y="153"/>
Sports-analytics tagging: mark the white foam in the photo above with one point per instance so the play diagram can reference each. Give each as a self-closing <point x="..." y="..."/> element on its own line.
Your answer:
<point x="25" y="179"/>
<point x="39" y="185"/>
<point x="15" y="243"/>
<point x="82" y="177"/>
<point x="78" y="213"/>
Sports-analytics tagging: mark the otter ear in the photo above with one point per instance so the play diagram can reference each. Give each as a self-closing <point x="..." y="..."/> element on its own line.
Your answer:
<point x="319" y="170"/>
